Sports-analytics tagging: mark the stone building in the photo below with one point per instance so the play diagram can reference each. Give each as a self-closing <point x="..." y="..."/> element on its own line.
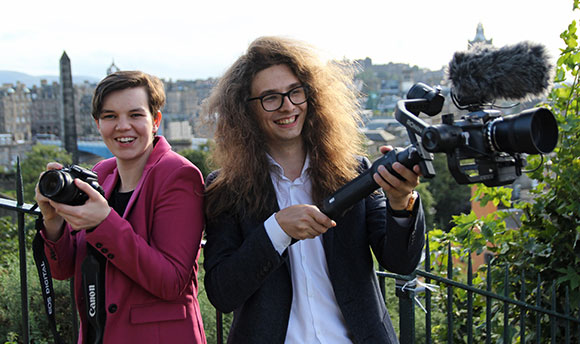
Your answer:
<point x="15" y="109"/>
<point x="15" y="128"/>
<point x="86" y="127"/>
<point x="185" y="98"/>
<point x="45" y="109"/>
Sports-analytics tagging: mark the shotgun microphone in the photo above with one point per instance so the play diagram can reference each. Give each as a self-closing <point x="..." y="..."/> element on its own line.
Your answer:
<point x="485" y="73"/>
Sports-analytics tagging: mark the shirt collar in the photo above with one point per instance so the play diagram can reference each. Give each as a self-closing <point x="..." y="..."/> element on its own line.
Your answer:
<point x="278" y="171"/>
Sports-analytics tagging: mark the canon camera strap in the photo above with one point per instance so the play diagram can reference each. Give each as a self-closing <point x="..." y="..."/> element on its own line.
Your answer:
<point x="93" y="293"/>
<point x="45" y="280"/>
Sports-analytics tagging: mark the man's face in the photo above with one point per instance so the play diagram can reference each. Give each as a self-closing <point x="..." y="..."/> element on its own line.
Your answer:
<point x="283" y="126"/>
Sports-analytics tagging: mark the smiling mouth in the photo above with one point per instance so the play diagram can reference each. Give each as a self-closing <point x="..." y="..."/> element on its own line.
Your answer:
<point x="125" y="139"/>
<point x="287" y="120"/>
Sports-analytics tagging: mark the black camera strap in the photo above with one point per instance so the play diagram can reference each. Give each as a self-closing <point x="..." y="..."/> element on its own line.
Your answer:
<point x="45" y="280"/>
<point x="92" y="288"/>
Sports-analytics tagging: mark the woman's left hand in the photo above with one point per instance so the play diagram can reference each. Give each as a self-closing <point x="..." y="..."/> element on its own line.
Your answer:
<point x="398" y="191"/>
<point x="86" y="216"/>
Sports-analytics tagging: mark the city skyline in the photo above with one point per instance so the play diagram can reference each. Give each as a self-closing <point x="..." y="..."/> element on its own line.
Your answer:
<point x="199" y="41"/>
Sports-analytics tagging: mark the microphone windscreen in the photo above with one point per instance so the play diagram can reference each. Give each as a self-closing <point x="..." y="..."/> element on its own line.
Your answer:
<point x="484" y="73"/>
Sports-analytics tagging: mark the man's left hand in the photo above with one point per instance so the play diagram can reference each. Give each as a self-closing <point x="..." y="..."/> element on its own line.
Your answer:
<point x="398" y="191"/>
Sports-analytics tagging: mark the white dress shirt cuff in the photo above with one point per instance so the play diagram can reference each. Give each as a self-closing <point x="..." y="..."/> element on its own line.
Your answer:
<point x="277" y="236"/>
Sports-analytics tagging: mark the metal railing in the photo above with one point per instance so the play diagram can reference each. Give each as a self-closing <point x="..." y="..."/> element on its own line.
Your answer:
<point x="21" y="209"/>
<point x="406" y="289"/>
<point x="407" y="292"/>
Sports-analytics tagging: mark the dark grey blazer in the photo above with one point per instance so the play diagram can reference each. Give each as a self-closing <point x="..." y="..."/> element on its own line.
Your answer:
<point x="246" y="275"/>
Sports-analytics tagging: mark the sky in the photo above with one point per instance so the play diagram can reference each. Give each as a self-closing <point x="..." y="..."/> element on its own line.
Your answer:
<point x="192" y="39"/>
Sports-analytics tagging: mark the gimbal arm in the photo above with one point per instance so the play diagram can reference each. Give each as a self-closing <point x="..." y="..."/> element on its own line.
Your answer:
<point x="406" y="113"/>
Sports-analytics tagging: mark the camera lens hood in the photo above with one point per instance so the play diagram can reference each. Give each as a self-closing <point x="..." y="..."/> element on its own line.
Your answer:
<point x="533" y="131"/>
<point x="52" y="183"/>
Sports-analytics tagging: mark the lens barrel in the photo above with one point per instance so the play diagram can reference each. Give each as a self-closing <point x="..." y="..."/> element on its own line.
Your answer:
<point x="52" y="183"/>
<point x="58" y="185"/>
<point x="533" y="131"/>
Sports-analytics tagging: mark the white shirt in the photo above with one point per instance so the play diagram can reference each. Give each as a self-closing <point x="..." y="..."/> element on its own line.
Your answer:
<point x="314" y="315"/>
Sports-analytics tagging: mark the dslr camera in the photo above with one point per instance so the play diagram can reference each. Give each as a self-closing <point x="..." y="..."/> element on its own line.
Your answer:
<point x="59" y="186"/>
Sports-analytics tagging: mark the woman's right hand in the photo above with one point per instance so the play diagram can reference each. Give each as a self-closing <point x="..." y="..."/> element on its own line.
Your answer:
<point x="53" y="222"/>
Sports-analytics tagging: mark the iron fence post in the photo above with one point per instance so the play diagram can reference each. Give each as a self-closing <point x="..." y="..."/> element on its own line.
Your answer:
<point x="22" y="255"/>
<point x="219" y="327"/>
<point x="405" y="291"/>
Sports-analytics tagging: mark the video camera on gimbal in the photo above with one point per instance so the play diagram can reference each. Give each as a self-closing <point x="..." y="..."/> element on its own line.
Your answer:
<point x="483" y="147"/>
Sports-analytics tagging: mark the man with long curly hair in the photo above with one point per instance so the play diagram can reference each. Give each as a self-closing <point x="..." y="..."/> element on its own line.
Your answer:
<point x="286" y="138"/>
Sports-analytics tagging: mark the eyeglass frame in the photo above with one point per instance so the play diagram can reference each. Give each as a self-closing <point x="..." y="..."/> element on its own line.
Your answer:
<point x="284" y="96"/>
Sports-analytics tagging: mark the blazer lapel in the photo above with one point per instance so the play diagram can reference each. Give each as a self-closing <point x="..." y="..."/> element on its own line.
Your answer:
<point x="109" y="183"/>
<point x="328" y="243"/>
<point x="160" y="148"/>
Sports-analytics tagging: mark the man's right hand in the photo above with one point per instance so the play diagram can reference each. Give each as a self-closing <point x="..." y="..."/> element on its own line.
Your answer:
<point x="303" y="221"/>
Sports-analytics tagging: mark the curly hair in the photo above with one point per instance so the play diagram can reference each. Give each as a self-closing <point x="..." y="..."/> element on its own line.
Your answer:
<point x="330" y="131"/>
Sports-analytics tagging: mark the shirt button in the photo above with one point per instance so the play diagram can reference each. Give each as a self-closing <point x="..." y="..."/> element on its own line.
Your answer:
<point x="98" y="245"/>
<point x="110" y="256"/>
<point x="104" y="250"/>
<point x="112" y="308"/>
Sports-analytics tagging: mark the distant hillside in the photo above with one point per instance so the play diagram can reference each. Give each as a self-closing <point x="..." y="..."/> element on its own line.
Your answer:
<point x="11" y="77"/>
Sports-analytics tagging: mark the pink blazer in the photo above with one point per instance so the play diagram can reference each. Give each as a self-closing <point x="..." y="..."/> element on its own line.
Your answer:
<point x="152" y="250"/>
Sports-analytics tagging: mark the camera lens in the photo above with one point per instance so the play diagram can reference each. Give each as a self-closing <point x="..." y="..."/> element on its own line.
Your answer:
<point x="51" y="183"/>
<point x="533" y="131"/>
<point x="58" y="185"/>
<point x="441" y="138"/>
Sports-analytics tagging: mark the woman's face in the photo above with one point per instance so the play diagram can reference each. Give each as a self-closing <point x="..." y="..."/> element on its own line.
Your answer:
<point x="284" y="125"/>
<point x="127" y="125"/>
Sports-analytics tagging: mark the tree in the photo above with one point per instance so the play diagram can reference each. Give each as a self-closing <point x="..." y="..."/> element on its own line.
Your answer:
<point x="546" y="246"/>
<point x="449" y="197"/>
<point x="199" y="157"/>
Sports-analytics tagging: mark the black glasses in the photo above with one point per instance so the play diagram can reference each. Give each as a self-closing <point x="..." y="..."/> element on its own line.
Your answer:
<point x="274" y="101"/>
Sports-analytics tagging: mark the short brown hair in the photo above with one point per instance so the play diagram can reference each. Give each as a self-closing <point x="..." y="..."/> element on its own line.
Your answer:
<point x="128" y="79"/>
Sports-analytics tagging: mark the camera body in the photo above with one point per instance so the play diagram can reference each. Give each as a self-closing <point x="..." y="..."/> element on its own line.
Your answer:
<point x="59" y="186"/>
<point x="484" y="146"/>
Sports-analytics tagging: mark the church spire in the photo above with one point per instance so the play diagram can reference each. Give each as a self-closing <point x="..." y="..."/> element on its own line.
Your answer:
<point x="112" y="68"/>
<point x="479" y="36"/>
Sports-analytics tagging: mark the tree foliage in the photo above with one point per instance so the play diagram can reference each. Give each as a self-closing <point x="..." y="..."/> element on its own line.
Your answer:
<point x="450" y="198"/>
<point x="199" y="157"/>
<point x="545" y="246"/>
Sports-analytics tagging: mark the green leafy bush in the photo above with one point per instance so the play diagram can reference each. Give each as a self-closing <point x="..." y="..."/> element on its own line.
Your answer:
<point x="545" y="247"/>
<point x="10" y="293"/>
